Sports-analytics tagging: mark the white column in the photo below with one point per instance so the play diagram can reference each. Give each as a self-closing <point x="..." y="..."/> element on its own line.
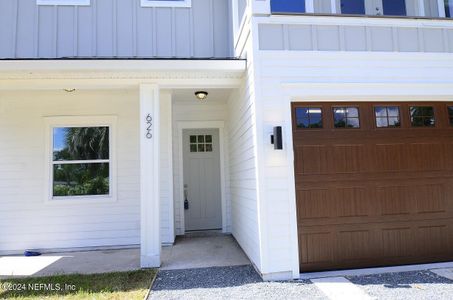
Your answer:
<point x="150" y="246"/>
<point x="441" y="7"/>
<point x="309" y="6"/>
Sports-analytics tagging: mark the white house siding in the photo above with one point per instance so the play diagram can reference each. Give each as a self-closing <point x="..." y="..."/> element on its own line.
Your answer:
<point x="243" y="176"/>
<point x="26" y="221"/>
<point x="186" y="110"/>
<point x="283" y="76"/>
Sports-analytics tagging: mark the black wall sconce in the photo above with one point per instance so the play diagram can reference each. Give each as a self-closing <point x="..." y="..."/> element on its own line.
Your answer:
<point x="277" y="139"/>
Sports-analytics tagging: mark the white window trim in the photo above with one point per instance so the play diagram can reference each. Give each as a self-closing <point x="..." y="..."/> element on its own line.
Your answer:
<point x="80" y="121"/>
<point x="166" y="3"/>
<point x="63" y="2"/>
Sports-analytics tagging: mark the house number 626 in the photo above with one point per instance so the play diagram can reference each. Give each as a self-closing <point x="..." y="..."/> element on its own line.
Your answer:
<point x="149" y="125"/>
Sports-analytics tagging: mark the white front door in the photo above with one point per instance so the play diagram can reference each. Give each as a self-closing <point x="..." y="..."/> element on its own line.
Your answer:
<point x="202" y="194"/>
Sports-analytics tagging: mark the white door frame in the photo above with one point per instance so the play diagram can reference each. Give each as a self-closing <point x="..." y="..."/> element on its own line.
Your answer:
<point x="220" y="125"/>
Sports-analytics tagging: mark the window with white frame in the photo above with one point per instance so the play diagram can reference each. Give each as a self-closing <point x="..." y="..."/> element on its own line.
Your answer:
<point x="63" y="2"/>
<point x="81" y="157"/>
<point x="166" y="3"/>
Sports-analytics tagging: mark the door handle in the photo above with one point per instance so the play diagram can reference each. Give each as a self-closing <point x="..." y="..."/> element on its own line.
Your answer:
<point x="186" y="201"/>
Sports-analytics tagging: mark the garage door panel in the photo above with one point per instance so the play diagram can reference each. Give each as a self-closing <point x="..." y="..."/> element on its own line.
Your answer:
<point x="317" y="248"/>
<point x="433" y="239"/>
<point x="315" y="205"/>
<point x="374" y="196"/>
<point x="397" y="242"/>
<point x="355" y="245"/>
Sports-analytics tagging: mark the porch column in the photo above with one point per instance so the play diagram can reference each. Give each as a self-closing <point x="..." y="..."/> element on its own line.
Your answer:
<point x="150" y="246"/>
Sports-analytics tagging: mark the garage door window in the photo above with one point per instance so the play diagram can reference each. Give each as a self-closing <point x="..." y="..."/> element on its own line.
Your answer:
<point x="450" y="114"/>
<point x="309" y="117"/>
<point x="387" y="116"/>
<point x="422" y="116"/>
<point x="346" y="117"/>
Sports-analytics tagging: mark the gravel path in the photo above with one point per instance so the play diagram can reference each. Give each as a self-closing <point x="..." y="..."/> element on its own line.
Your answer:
<point x="423" y="285"/>
<point x="241" y="282"/>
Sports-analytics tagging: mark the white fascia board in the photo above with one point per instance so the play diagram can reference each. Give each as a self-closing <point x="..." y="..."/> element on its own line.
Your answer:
<point x="78" y="65"/>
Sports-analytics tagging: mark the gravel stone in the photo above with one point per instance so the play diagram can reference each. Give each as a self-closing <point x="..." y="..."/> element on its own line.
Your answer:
<point x="422" y="285"/>
<point x="240" y="282"/>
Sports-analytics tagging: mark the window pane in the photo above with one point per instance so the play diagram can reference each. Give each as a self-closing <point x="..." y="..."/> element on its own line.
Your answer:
<point x="393" y="111"/>
<point x="352" y="123"/>
<point x="346" y="117"/>
<point x="387" y="116"/>
<point x="394" y="122"/>
<point x="309" y="117"/>
<point x="193" y="147"/>
<point x="209" y="139"/>
<point x="201" y="138"/>
<point x="382" y="122"/>
<point x="81" y="179"/>
<point x="380" y="111"/>
<point x="200" y="147"/>
<point x="356" y="7"/>
<point x="394" y="7"/>
<point x="208" y="147"/>
<point x="352" y="112"/>
<point x="288" y="6"/>
<point x="449" y="8"/>
<point x="339" y="115"/>
<point x="422" y="116"/>
<point x="193" y="138"/>
<point x="80" y="143"/>
<point x="450" y="114"/>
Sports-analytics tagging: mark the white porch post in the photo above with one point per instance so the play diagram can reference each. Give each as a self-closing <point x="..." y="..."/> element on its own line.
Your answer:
<point x="150" y="246"/>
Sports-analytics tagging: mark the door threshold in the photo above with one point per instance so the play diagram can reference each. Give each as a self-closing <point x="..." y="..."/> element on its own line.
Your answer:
<point x="204" y="233"/>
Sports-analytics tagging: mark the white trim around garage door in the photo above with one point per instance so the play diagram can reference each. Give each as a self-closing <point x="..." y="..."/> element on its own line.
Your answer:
<point x="220" y="125"/>
<point x="341" y="92"/>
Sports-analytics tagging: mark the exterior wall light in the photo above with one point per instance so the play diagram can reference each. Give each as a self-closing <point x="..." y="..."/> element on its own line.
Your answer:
<point x="201" y="95"/>
<point x="277" y="138"/>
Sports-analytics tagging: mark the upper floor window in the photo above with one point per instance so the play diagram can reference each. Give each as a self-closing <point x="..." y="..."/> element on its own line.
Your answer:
<point x="166" y="3"/>
<point x="63" y="2"/>
<point x="448" y="8"/>
<point x="353" y="7"/>
<point x="288" y="6"/>
<point x="394" y="7"/>
<point x="426" y="8"/>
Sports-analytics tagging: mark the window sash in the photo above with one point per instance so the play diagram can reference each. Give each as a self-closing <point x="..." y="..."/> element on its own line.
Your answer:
<point x="80" y="121"/>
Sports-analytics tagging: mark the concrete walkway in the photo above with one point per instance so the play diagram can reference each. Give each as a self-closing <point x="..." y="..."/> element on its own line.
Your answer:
<point x="86" y="262"/>
<point x="203" y="250"/>
<point x="198" y="250"/>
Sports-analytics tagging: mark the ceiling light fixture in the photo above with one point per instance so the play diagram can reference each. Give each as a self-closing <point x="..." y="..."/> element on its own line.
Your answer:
<point x="201" y="95"/>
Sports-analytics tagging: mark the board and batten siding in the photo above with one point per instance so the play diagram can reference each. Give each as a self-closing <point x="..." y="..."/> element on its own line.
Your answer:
<point x="356" y="37"/>
<point x="27" y="221"/>
<point x="115" y="28"/>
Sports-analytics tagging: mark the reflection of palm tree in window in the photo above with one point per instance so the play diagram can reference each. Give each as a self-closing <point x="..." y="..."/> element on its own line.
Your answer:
<point x="422" y="116"/>
<point x="90" y="144"/>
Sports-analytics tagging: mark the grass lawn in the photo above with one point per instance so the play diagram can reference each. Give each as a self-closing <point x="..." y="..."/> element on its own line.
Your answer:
<point x="122" y="285"/>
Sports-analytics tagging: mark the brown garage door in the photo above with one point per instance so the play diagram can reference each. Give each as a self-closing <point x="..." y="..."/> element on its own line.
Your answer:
<point x="374" y="183"/>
